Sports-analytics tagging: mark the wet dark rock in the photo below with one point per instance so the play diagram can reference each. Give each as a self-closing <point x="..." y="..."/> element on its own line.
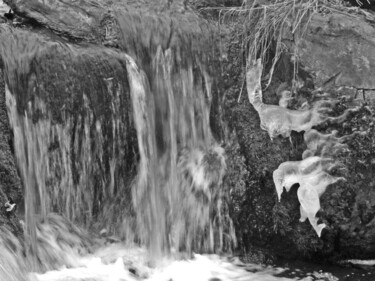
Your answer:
<point x="363" y="4"/>
<point x="334" y="43"/>
<point x="134" y="271"/>
<point x="343" y="43"/>
<point x="9" y="15"/>
<point x="10" y="184"/>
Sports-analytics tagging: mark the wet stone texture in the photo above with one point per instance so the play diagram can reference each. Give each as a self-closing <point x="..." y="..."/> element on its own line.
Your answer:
<point x="347" y="208"/>
<point x="255" y="219"/>
<point x="340" y="43"/>
<point x="10" y="184"/>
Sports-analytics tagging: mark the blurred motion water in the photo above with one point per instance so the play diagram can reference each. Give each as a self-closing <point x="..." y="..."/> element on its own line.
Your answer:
<point x="122" y="177"/>
<point x="107" y="146"/>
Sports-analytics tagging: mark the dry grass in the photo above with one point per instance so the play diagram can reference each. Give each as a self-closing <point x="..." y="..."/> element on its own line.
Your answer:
<point x="266" y="23"/>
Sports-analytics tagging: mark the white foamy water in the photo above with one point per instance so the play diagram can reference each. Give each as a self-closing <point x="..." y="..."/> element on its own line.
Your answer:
<point x="119" y="263"/>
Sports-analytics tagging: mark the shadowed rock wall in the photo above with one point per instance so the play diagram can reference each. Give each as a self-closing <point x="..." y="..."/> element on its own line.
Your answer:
<point x="332" y="44"/>
<point x="10" y="185"/>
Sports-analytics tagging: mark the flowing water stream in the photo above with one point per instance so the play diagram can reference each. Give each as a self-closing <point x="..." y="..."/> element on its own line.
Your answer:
<point x="122" y="177"/>
<point x="112" y="151"/>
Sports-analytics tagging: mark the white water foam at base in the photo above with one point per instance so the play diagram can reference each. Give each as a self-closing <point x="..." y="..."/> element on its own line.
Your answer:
<point x="117" y="262"/>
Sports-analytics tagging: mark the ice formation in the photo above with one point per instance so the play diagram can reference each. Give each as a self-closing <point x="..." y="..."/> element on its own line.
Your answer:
<point x="325" y="145"/>
<point x="313" y="172"/>
<point x="313" y="178"/>
<point x="279" y="120"/>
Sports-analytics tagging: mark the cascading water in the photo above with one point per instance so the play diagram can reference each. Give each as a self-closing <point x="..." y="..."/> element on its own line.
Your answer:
<point x="75" y="158"/>
<point x="114" y="147"/>
<point x="31" y="153"/>
<point x="75" y="150"/>
<point x="172" y="195"/>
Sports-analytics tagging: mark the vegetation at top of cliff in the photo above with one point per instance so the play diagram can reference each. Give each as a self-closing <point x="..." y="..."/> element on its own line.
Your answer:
<point x="269" y="24"/>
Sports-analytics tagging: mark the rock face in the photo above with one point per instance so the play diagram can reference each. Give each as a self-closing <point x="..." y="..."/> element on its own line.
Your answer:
<point x="78" y="19"/>
<point x="10" y="185"/>
<point x="364" y="4"/>
<point x="332" y="44"/>
<point x="340" y="43"/>
<point x="141" y="26"/>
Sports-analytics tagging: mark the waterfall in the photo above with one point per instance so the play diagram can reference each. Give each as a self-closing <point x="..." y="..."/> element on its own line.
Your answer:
<point x="31" y="153"/>
<point x="173" y="194"/>
<point x="109" y="147"/>
<point x="73" y="134"/>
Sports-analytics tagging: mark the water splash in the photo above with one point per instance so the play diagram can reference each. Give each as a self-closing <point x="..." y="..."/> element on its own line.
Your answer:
<point x="13" y="266"/>
<point x="120" y="263"/>
<point x="60" y="244"/>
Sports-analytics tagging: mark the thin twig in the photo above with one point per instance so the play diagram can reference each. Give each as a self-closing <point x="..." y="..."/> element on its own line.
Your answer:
<point x="242" y="87"/>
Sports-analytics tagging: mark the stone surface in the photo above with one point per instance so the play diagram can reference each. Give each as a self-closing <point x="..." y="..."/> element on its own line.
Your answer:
<point x="339" y="43"/>
<point x="10" y="184"/>
<point x="364" y="4"/>
<point x="333" y="43"/>
<point x="136" y="27"/>
<point x="77" y="19"/>
<point x="141" y="25"/>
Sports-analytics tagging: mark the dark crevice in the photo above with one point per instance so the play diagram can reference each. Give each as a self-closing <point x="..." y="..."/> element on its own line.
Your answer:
<point x="363" y="4"/>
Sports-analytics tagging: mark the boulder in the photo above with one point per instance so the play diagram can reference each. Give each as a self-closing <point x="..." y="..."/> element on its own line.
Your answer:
<point x="339" y="43"/>
<point x="335" y="54"/>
